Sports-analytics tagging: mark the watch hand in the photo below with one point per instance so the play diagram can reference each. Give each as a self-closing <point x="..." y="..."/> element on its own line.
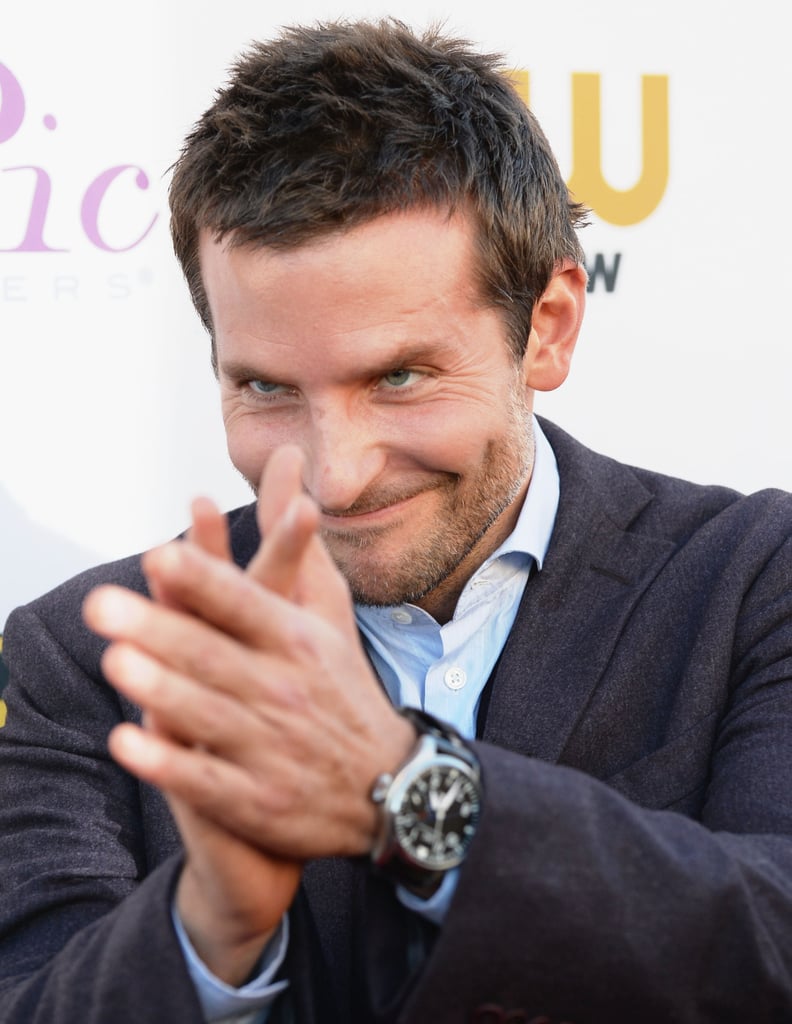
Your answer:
<point x="447" y="801"/>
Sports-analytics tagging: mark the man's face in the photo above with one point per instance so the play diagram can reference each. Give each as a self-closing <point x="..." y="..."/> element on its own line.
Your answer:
<point x="371" y="351"/>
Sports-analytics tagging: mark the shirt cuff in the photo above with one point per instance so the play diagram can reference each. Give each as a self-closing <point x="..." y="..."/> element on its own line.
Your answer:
<point x="221" y="1002"/>
<point x="436" y="907"/>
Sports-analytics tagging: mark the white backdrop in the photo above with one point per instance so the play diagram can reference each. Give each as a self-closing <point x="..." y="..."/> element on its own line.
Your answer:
<point x="108" y="415"/>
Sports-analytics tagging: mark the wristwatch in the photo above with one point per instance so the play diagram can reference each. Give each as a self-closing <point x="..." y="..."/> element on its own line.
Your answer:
<point x="429" y="808"/>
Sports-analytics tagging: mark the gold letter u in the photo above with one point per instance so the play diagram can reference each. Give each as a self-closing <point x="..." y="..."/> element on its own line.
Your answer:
<point x="619" y="206"/>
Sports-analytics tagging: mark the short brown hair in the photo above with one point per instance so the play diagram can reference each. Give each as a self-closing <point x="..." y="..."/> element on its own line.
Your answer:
<point x="328" y="126"/>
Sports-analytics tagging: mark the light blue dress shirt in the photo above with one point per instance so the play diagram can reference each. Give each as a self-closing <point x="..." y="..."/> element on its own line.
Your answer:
<point x="440" y="668"/>
<point x="443" y="669"/>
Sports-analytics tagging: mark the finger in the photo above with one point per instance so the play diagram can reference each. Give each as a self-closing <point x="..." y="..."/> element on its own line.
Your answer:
<point x="241" y="718"/>
<point x="317" y="582"/>
<point x="201" y="780"/>
<point x="323" y="589"/>
<point x="279" y="561"/>
<point x="281" y="481"/>
<point x="180" y="641"/>
<point x="217" y="592"/>
<point x="225" y="596"/>
<point x="233" y="700"/>
<point x="177" y="706"/>
<point x="293" y="561"/>
<point x="241" y="639"/>
<point x="209" y="530"/>
<point x="271" y="812"/>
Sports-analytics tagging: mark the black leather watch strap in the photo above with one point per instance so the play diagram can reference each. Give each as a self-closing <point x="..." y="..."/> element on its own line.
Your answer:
<point x="426" y="723"/>
<point x="437" y="743"/>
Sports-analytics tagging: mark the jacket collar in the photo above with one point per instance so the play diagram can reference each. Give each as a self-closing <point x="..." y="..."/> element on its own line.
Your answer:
<point x="573" y="612"/>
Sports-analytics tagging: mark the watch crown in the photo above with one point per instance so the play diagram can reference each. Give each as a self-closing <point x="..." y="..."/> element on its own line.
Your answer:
<point x="381" y="786"/>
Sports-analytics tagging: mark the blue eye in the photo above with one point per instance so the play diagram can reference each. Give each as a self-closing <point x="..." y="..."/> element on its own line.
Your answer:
<point x="263" y="387"/>
<point x="398" y="378"/>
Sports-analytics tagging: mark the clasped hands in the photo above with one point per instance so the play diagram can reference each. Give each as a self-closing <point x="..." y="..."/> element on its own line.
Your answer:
<point x="263" y="723"/>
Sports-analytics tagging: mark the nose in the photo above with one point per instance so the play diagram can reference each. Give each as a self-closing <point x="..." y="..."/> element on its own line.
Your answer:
<point x="344" y="457"/>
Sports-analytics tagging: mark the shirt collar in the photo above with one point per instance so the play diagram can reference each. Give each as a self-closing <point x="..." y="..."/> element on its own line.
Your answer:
<point x="534" y="527"/>
<point x="529" y="540"/>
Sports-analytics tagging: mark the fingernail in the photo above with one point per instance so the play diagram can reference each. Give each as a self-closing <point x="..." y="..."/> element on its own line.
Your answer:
<point x="112" y="609"/>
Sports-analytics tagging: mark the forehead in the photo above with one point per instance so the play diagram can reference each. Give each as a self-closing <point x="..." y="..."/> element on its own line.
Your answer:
<point x="413" y="255"/>
<point x="400" y="280"/>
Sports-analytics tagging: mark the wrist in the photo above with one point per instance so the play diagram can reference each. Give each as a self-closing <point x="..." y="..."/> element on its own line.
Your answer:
<point x="398" y="739"/>
<point x="227" y="946"/>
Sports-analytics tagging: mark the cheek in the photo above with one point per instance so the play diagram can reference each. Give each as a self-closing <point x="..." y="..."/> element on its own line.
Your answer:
<point x="249" y="447"/>
<point x="459" y="437"/>
<point x="450" y="451"/>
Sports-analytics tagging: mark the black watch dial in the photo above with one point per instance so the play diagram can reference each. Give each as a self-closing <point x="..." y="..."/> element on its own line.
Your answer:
<point x="436" y="817"/>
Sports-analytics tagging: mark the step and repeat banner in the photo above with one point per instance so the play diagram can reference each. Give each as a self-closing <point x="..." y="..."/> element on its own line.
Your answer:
<point x="669" y="120"/>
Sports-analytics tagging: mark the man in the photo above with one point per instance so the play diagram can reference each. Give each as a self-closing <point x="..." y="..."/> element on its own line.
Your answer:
<point x="379" y="242"/>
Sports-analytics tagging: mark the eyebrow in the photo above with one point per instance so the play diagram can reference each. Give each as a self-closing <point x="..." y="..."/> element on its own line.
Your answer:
<point x="239" y="371"/>
<point x="413" y="354"/>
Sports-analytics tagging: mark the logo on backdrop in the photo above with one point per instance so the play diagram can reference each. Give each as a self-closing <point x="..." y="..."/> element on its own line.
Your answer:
<point x="587" y="182"/>
<point x="620" y="207"/>
<point x="97" y="189"/>
<point x="53" y="209"/>
<point x="3" y="681"/>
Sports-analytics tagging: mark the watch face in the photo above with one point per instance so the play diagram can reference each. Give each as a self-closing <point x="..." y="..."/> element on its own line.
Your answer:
<point x="435" y="818"/>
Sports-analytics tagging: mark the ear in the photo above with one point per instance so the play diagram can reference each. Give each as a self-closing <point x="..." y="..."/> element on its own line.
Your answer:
<point x="555" y="325"/>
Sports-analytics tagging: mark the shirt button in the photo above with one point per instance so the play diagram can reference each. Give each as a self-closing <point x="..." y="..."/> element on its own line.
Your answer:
<point x="455" y="678"/>
<point x="402" y="616"/>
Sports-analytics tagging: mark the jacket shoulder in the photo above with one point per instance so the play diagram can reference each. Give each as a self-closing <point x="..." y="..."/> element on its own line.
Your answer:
<point x="657" y="504"/>
<point x="60" y="609"/>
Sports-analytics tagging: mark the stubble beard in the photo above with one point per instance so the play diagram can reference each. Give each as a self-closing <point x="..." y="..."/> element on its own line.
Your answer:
<point x="466" y="514"/>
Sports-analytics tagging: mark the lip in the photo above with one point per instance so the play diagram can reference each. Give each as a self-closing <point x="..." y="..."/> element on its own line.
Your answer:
<point x="347" y="521"/>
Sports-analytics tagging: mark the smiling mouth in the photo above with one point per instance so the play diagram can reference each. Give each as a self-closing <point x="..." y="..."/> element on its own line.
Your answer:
<point x="370" y="511"/>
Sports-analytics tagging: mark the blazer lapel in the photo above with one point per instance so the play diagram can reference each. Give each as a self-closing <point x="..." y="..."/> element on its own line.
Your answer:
<point x="573" y="611"/>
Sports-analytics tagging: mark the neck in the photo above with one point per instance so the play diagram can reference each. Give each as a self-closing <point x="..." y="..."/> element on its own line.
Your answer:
<point x="441" y="601"/>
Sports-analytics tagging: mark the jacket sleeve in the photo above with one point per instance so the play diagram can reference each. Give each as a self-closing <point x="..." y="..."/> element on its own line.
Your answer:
<point x="89" y="859"/>
<point x="586" y="899"/>
<point x="82" y="937"/>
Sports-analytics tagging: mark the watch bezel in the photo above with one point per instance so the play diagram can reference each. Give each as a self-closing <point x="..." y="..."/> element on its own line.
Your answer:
<point x="409" y="782"/>
<point x="437" y="743"/>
